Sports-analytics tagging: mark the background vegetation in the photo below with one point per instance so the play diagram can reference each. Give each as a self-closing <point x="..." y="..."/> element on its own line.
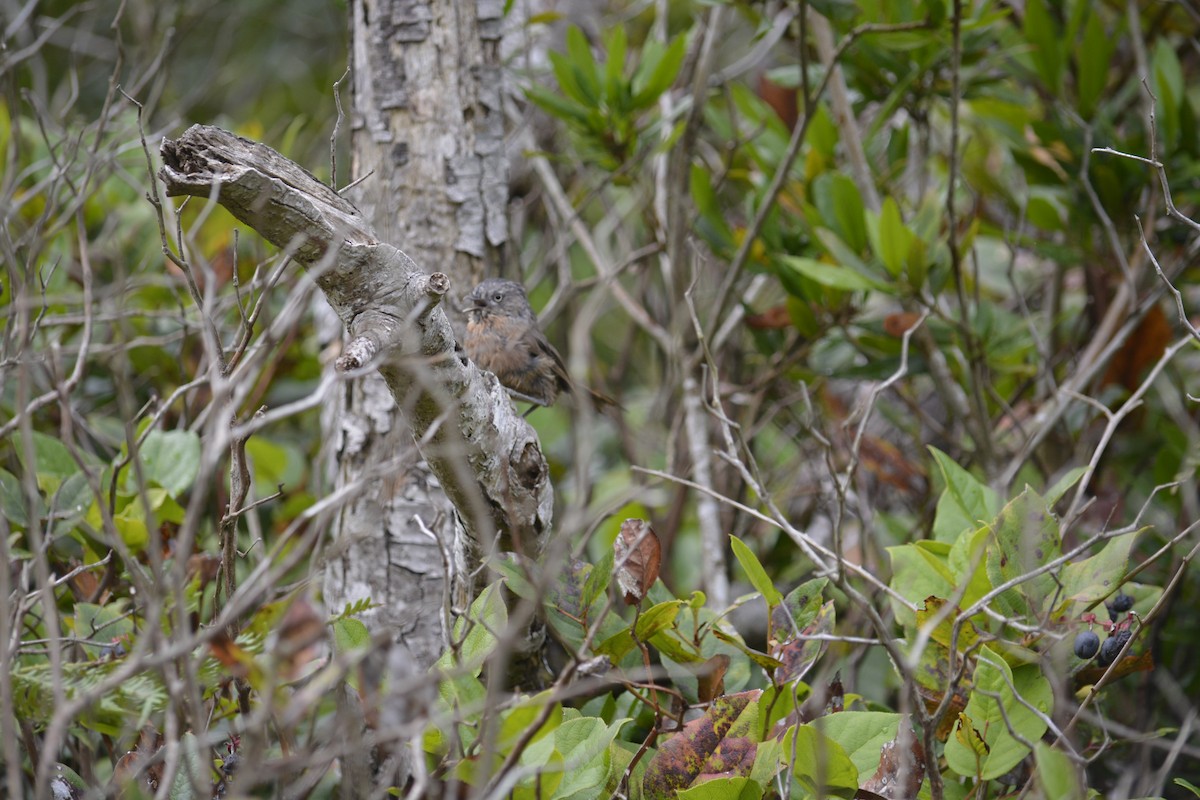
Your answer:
<point x="899" y="295"/>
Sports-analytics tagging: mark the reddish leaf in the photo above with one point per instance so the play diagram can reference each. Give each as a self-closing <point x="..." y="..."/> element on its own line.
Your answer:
<point x="637" y="556"/>
<point x="780" y="98"/>
<point x="702" y="748"/>
<point x="1143" y="347"/>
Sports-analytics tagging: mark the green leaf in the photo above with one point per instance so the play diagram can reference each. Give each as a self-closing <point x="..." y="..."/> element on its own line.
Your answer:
<point x="755" y="572"/>
<point x="1092" y="56"/>
<point x="723" y="789"/>
<point x="890" y="239"/>
<point x="597" y="580"/>
<point x="1057" y="775"/>
<point x="580" y="64"/>
<point x="1025" y="536"/>
<point x="657" y="618"/>
<point x="965" y="503"/>
<point x="1042" y="34"/>
<point x="52" y="462"/>
<point x="193" y="771"/>
<point x="841" y="251"/>
<point x="350" y="634"/>
<point x="614" y="68"/>
<point x="1096" y="577"/>
<point x="557" y="106"/>
<point x="477" y="630"/>
<point x="914" y="581"/>
<point x="1060" y="487"/>
<point x="1169" y="89"/>
<point x="12" y="500"/>
<point x="804" y="602"/>
<point x="657" y="71"/>
<point x="517" y="720"/>
<point x="992" y="709"/>
<point x="821" y="765"/>
<point x="1191" y="787"/>
<point x="833" y="275"/>
<point x="862" y="734"/>
<point x="170" y="459"/>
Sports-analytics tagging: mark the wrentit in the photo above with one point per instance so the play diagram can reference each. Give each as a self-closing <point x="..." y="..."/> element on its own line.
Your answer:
<point x="503" y="338"/>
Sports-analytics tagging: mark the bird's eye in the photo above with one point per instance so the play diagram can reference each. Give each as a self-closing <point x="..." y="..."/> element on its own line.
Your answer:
<point x="497" y="297"/>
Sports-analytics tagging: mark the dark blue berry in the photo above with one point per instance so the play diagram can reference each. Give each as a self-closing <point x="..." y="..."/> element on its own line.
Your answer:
<point x="1086" y="644"/>
<point x="1122" y="603"/>
<point x="1112" y="646"/>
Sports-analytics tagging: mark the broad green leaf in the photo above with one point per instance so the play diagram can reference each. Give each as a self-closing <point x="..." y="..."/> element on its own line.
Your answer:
<point x="557" y="106"/>
<point x="1057" y="774"/>
<point x="968" y="563"/>
<point x="516" y="721"/>
<point x="861" y="734"/>
<point x="52" y="461"/>
<point x="821" y="765"/>
<point x="12" y="500"/>
<point x="1062" y="485"/>
<point x="965" y="503"/>
<point x="96" y="623"/>
<point x="350" y="634"/>
<point x="992" y="709"/>
<point x="755" y="572"/>
<point x="803" y="604"/>
<point x="580" y="64"/>
<point x="1096" y="577"/>
<point x="1025" y="536"/>
<point x="170" y="459"/>
<point x="657" y="618"/>
<point x="597" y="580"/>
<point x="275" y="463"/>
<point x="478" y="630"/>
<point x="914" y="581"/>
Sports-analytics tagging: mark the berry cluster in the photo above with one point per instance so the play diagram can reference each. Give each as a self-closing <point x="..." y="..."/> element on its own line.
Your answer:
<point x="1087" y="643"/>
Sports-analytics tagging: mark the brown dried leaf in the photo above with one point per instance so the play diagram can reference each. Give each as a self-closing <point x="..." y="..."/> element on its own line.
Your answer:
<point x="898" y="324"/>
<point x="300" y="630"/>
<point x="711" y="677"/>
<point x="233" y="658"/>
<point x="901" y="768"/>
<point x="637" y="555"/>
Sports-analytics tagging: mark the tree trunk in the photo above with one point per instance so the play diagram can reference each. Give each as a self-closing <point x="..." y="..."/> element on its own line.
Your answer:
<point x="427" y="142"/>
